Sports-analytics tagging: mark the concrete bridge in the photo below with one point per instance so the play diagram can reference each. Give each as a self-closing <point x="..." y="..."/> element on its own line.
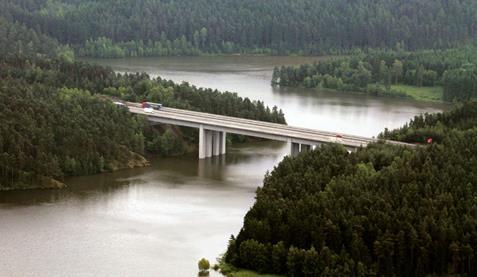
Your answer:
<point x="213" y="129"/>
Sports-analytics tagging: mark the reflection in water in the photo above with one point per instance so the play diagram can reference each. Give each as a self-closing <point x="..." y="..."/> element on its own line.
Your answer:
<point x="211" y="167"/>
<point x="156" y="221"/>
<point x="159" y="221"/>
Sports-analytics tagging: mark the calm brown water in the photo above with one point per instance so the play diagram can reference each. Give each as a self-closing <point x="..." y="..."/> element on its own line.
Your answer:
<point x="159" y="221"/>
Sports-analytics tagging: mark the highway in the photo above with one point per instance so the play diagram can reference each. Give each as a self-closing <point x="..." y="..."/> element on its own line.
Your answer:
<point x="227" y="124"/>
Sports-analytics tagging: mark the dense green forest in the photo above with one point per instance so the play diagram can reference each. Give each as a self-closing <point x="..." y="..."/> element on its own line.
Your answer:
<point x="110" y="28"/>
<point x="67" y="127"/>
<point x="16" y="38"/>
<point x="375" y="72"/>
<point x="51" y="132"/>
<point x="383" y="210"/>
<point x="56" y="121"/>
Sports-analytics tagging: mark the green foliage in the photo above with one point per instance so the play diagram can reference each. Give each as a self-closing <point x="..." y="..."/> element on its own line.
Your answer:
<point x="461" y="83"/>
<point x="104" y="47"/>
<point x="435" y="126"/>
<point x="112" y="28"/>
<point x="253" y="254"/>
<point x="435" y="94"/>
<point x="53" y="132"/>
<point x="374" y="72"/>
<point x="383" y="210"/>
<point x="230" y="271"/>
<point x="204" y="265"/>
<point x="65" y="53"/>
<point x="17" y="39"/>
<point x="248" y="273"/>
<point x="54" y="9"/>
<point x="279" y="257"/>
<point x="55" y="123"/>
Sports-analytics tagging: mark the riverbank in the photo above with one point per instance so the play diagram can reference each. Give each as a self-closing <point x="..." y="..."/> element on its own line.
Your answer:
<point x="416" y="74"/>
<point x="249" y="273"/>
<point x="428" y="94"/>
<point x="420" y="94"/>
<point x="231" y="271"/>
<point x="39" y="183"/>
<point x="128" y="160"/>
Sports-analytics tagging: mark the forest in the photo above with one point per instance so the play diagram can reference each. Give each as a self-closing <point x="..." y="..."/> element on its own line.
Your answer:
<point x="58" y="122"/>
<point x="51" y="132"/>
<point x="383" y="210"/>
<point x="380" y="211"/>
<point x="40" y="78"/>
<point x="376" y="72"/>
<point x="112" y="28"/>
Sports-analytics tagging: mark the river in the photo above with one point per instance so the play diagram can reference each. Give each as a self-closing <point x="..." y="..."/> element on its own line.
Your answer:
<point x="160" y="220"/>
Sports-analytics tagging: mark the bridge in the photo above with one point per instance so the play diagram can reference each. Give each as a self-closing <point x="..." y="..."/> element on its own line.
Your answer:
<point x="213" y="130"/>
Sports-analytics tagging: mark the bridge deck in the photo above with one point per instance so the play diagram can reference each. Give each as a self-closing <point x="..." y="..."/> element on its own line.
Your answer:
<point x="252" y="127"/>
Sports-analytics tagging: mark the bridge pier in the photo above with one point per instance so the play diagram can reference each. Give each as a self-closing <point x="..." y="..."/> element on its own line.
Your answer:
<point x="297" y="148"/>
<point x="211" y="143"/>
<point x="216" y="143"/>
<point x="209" y="140"/>
<point x="305" y="148"/>
<point x="202" y="143"/>
<point x="223" y="143"/>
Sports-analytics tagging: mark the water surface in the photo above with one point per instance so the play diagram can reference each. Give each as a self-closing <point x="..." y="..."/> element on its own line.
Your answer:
<point x="159" y="221"/>
<point x="250" y="77"/>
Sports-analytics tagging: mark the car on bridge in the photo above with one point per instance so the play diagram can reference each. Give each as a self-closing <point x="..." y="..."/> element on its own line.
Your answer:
<point x="149" y="107"/>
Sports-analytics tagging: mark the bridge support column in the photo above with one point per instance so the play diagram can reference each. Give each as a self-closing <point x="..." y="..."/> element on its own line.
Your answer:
<point x="216" y="143"/>
<point x="223" y="143"/>
<point x="211" y="143"/>
<point x="305" y="148"/>
<point x="202" y="143"/>
<point x="295" y="149"/>
<point x="209" y="140"/>
<point x="205" y="143"/>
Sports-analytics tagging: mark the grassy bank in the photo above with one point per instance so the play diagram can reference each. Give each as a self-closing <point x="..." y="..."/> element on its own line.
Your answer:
<point x="248" y="273"/>
<point x="231" y="271"/>
<point x="425" y="94"/>
<point x="434" y="94"/>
